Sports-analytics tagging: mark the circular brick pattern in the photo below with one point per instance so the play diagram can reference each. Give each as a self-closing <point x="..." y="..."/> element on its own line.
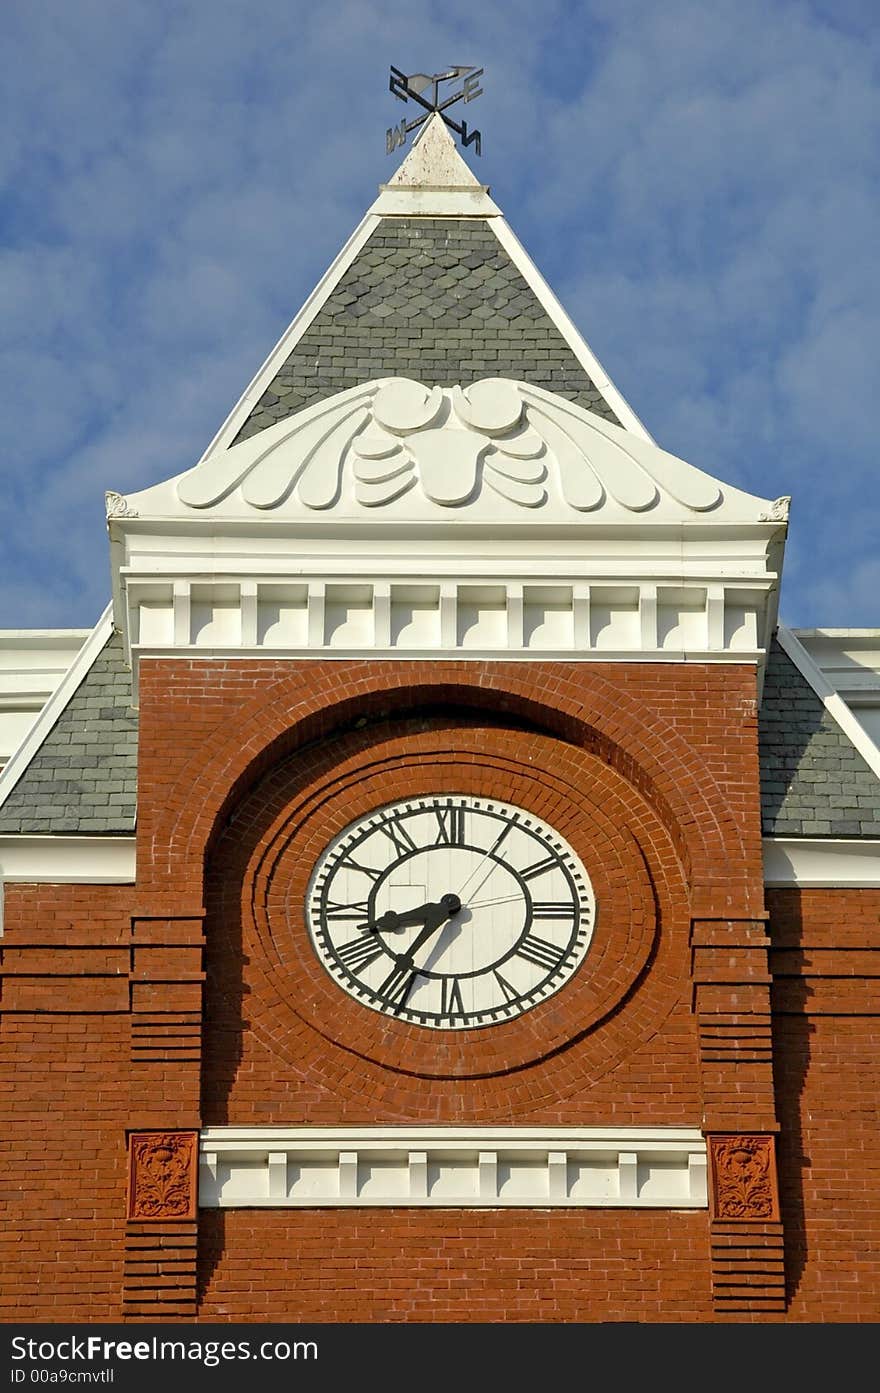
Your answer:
<point x="259" y="877"/>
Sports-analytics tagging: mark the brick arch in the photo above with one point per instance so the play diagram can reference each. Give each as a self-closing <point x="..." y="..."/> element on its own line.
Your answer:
<point x="304" y="1033"/>
<point x="297" y="704"/>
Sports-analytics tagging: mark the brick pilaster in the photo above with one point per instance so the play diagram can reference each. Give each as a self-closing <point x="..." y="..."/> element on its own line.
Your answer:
<point x="731" y="986"/>
<point x="166" y="982"/>
<point x="166" y="985"/>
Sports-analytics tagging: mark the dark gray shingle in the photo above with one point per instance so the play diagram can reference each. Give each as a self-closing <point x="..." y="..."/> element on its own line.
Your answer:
<point x="83" y="777"/>
<point x="436" y="299"/>
<point x="814" y="782"/>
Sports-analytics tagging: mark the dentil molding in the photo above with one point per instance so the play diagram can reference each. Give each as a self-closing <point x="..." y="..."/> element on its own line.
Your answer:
<point x="648" y="1168"/>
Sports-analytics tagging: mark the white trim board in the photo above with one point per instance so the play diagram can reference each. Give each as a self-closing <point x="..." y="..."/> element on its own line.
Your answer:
<point x="65" y="861"/>
<point x="452" y="1167"/>
<point x="293" y="333"/>
<point x="832" y="700"/>
<point x="575" y="340"/>
<point x="833" y="863"/>
<point x="56" y="704"/>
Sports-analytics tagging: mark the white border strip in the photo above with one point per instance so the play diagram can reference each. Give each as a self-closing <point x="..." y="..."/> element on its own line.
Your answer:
<point x="292" y="334"/>
<point x="449" y="1167"/>
<point x="830" y="697"/>
<point x="65" y="861"/>
<point x="581" y="349"/>
<point x="835" y="863"/>
<point x="54" y="707"/>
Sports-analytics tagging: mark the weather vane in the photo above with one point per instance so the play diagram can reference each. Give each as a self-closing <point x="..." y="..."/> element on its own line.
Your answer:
<point x="414" y="86"/>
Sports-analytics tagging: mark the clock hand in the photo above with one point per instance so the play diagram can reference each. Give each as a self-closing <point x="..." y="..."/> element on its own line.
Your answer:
<point x="391" y="920"/>
<point x="440" y="913"/>
<point x="491" y="871"/>
<point x="399" y="982"/>
<point x="481" y="863"/>
<point x="500" y="899"/>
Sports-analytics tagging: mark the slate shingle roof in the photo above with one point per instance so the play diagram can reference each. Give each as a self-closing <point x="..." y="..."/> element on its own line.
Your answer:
<point x="436" y="299"/>
<point x="814" y="782"/>
<point x="83" y="778"/>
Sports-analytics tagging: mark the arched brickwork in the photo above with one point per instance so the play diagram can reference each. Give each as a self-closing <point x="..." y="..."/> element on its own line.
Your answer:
<point x="309" y="1049"/>
<point x="242" y="718"/>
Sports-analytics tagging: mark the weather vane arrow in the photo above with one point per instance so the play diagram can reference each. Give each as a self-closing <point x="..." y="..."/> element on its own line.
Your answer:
<point x="415" y="87"/>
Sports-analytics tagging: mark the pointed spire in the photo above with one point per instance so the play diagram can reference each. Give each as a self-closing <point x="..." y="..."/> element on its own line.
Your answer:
<point x="434" y="180"/>
<point x="434" y="162"/>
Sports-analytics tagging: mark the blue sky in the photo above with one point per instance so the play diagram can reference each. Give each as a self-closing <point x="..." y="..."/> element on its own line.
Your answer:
<point x="698" y="180"/>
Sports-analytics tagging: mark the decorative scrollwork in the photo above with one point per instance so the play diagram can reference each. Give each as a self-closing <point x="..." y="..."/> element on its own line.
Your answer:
<point x="778" y="510"/>
<point x="117" y="506"/>
<point x="744" y="1178"/>
<point x="163" y="1175"/>
<point x="373" y="444"/>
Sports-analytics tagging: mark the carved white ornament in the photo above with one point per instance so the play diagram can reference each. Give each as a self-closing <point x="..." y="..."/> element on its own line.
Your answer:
<point x="373" y="444"/>
<point x="778" y="510"/>
<point x="117" y="505"/>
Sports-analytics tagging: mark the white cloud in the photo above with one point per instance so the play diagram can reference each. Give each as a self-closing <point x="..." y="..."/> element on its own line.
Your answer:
<point x="698" y="183"/>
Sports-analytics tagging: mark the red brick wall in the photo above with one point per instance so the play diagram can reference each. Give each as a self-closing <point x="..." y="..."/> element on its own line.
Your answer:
<point x="449" y="1265"/>
<point x="64" y="1101"/>
<point x="685" y="737"/>
<point x="650" y="770"/>
<point x="826" y="1005"/>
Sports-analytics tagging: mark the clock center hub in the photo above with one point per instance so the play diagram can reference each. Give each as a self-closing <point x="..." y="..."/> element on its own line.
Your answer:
<point x="491" y="918"/>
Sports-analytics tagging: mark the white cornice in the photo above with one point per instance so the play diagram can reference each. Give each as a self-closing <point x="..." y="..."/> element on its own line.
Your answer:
<point x="433" y="614"/>
<point x="81" y="664"/>
<point x="832" y="700"/>
<point x="65" y="861"/>
<point x="813" y="862"/>
<point x="496" y="451"/>
<point x="453" y="1167"/>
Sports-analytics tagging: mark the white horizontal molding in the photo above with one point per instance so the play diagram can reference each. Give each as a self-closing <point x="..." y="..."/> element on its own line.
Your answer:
<point x="544" y="1167"/>
<point x="66" y="861"/>
<point x="441" y="616"/>
<point x="816" y="862"/>
<point x="437" y="202"/>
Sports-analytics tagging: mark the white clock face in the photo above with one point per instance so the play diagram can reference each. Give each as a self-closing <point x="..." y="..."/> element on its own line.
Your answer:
<point x="450" y="911"/>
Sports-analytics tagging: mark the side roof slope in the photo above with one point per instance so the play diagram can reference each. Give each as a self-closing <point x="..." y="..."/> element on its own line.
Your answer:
<point x="83" y="777"/>
<point x="814" y="782"/>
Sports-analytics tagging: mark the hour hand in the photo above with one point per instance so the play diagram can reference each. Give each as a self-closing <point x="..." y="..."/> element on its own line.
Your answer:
<point x="433" y="913"/>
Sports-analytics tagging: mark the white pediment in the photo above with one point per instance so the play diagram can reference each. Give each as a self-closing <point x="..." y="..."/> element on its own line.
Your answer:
<point x="497" y="451"/>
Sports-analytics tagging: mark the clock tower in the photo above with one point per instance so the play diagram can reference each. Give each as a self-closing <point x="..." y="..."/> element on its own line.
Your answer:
<point x="441" y="954"/>
<point x="447" y="678"/>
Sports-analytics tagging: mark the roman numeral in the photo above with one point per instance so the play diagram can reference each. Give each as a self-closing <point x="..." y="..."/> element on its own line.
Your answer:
<point x="349" y="864"/>
<point x="398" y="836"/>
<point x="500" y="838"/>
<point x="450" y="826"/>
<point x="398" y="985"/>
<point x="539" y="951"/>
<point x="509" y="993"/>
<point x="359" y="909"/>
<point x="359" y="953"/>
<point x="539" y="868"/>
<point x="552" y="909"/>
<point x="451" y="1003"/>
